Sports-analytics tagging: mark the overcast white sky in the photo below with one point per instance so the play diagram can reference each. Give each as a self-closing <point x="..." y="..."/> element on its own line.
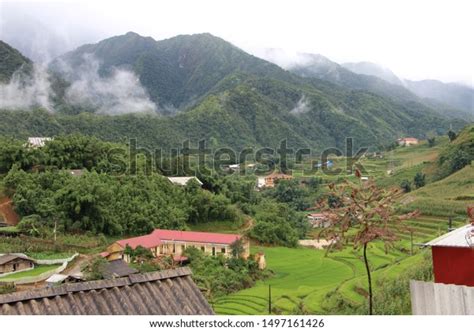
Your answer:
<point x="415" y="39"/>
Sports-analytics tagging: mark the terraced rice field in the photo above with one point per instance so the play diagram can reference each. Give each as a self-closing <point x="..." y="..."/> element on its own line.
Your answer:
<point x="304" y="275"/>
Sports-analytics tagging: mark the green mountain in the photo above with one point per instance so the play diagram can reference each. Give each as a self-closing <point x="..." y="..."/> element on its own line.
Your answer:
<point x="177" y="71"/>
<point x="453" y="95"/>
<point x="370" y="77"/>
<point x="449" y="98"/>
<point x="372" y="69"/>
<point x="10" y="61"/>
<point x="458" y="154"/>
<point x="216" y="91"/>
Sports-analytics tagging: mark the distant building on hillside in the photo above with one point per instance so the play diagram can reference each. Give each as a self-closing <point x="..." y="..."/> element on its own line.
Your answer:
<point x="11" y="263"/>
<point x="232" y="167"/>
<point x="37" y="142"/>
<point x="318" y="220"/>
<point x="183" y="181"/>
<point x="174" y="243"/>
<point x="408" y="141"/>
<point x="76" y="172"/>
<point x="271" y="180"/>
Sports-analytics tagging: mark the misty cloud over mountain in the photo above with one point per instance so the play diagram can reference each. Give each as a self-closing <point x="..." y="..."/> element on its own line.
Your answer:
<point x="120" y="92"/>
<point x="301" y="107"/>
<point x="25" y="91"/>
<point x="117" y="93"/>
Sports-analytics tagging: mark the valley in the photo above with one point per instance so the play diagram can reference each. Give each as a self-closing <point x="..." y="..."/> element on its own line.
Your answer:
<point x="190" y="155"/>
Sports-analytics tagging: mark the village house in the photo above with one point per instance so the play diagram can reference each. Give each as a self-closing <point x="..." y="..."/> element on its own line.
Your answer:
<point x="271" y="180"/>
<point x="10" y="263"/>
<point x="407" y="141"/>
<point x="318" y="220"/>
<point x="174" y="243"/>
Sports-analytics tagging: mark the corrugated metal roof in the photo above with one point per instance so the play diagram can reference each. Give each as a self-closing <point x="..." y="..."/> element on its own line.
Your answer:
<point x="56" y="278"/>
<point x="38" y="141"/>
<point x="200" y="237"/>
<point x="183" y="180"/>
<point x="155" y="238"/>
<point x="456" y="238"/>
<point x="146" y="241"/>
<point x="168" y="292"/>
<point x="117" y="268"/>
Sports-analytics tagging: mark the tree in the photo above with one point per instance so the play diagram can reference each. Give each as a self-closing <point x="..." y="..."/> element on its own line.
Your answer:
<point x="419" y="180"/>
<point x="93" y="270"/>
<point x="405" y="185"/>
<point x="290" y="191"/>
<point x="237" y="248"/>
<point x="459" y="160"/>
<point x="451" y="135"/>
<point x="431" y="141"/>
<point x="366" y="214"/>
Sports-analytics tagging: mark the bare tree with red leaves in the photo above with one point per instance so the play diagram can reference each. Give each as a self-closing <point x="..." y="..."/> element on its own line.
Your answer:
<point x="364" y="213"/>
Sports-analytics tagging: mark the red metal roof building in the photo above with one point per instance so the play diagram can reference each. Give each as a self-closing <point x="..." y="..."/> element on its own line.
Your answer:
<point x="453" y="257"/>
<point x="174" y="242"/>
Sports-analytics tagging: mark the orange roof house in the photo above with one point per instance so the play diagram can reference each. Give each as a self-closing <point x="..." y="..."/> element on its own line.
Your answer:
<point x="408" y="141"/>
<point x="271" y="180"/>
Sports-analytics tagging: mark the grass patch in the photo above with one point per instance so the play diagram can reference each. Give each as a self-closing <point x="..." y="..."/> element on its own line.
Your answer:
<point x="38" y="270"/>
<point x="221" y="227"/>
<point x="9" y="230"/>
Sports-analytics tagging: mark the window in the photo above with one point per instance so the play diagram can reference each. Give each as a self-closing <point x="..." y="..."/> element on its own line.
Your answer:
<point x="183" y="248"/>
<point x="223" y="250"/>
<point x="213" y="251"/>
<point x="174" y="248"/>
<point x="203" y="248"/>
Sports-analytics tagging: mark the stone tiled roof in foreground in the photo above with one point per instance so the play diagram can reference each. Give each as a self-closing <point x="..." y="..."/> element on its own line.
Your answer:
<point x="168" y="292"/>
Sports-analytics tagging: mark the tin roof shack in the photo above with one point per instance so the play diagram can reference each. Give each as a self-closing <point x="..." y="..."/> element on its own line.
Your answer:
<point x="37" y="142"/>
<point x="116" y="269"/>
<point x="453" y="257"/>
<point x="183" y="181"/>
<point x="11" y="263"/>
<point x="318" y="220"/>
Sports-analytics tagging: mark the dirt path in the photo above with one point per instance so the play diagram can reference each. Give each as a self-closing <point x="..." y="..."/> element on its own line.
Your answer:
<point x="248" y="225"/>
<point x="9" y="216"/>
<point x="76" y="266"/>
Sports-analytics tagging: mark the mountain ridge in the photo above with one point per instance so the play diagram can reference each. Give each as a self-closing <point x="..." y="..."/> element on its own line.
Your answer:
<point x="224" y="95"/>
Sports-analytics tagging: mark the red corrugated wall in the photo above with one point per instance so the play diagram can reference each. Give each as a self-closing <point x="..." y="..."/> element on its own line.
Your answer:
<point x="453" y="265"/>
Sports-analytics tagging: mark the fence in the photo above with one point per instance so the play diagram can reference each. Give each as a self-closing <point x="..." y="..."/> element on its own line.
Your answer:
<point x="441" y="299"/>
<point x="57" y="261"/>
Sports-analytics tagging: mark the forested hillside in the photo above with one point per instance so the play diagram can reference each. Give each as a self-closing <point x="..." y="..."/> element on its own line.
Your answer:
<point x="11" y="60"/>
